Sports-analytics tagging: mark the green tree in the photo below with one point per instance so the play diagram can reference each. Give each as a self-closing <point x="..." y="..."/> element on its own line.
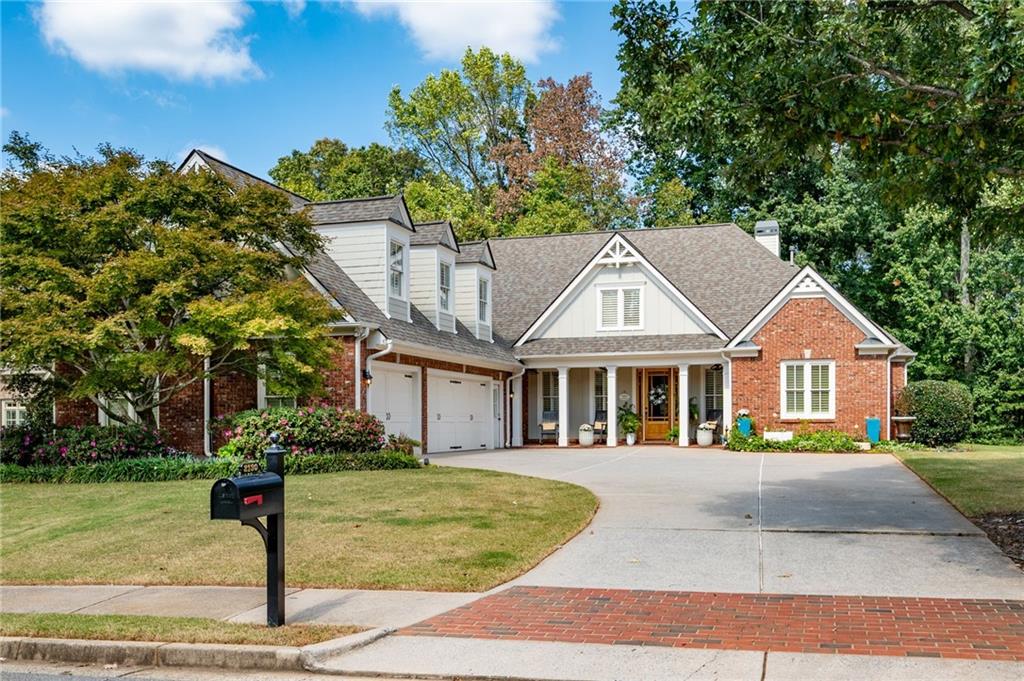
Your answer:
<point x="438" y="198"/>
<point x="456" y="118"/>
<point x="331" y="170"/>
<point x="120" y="280"/>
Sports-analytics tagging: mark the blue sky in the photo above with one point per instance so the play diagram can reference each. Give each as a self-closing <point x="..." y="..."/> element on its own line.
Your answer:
<point x="254" y="81"/>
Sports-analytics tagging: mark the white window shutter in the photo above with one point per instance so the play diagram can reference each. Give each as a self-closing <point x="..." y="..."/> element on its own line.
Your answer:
<point x="631" y="307"/>
<point x="609" y="308"/>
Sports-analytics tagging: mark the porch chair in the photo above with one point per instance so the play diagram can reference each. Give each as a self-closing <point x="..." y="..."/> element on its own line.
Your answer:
<point x="601" y="425"/>
<point x="549" y="425"/>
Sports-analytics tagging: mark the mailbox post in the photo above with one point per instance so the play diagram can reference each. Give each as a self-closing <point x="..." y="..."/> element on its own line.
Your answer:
<point x="247" y="498"/>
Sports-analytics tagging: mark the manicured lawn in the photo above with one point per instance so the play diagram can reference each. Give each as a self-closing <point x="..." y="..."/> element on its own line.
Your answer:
<point x="987" y="479"/>
<point x="443" y="529"/>
<point x="164" y="629"/>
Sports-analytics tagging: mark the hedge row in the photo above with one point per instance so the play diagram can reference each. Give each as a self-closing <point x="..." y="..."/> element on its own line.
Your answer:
<point x="820" y="441"/>
<point x="185" y="468"/>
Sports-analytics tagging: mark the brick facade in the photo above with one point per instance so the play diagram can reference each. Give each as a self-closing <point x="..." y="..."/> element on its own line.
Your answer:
<point x="340" y="380"/>
<point x="81" y="412"/>
<point x="181" y="419"/>
<point x="811" y="328"/>
<point x="426" y="364"/>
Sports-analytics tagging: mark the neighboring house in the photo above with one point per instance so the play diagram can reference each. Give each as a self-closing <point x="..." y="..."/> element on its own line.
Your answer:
<point x="476" y="345"/>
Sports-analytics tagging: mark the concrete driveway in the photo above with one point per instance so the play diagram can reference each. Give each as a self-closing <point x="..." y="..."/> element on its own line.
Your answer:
<point x="710" y="520"/>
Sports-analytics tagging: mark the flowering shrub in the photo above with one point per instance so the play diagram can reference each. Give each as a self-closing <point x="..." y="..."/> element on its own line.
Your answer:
<point x="305" y="430"/>
<point x="29" y="446"/>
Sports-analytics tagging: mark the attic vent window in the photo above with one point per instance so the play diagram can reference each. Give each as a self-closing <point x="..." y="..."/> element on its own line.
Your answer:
<point x="620" y="308"/>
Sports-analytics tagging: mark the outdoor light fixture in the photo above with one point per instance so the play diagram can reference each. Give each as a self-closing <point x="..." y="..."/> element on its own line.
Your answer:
<point x="367" y="376"/>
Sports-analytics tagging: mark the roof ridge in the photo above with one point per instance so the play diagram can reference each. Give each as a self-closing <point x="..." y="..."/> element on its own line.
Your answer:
<point x="356" y="198"/>
<point x="202" y="153"/>
<point x="614" y="231"/>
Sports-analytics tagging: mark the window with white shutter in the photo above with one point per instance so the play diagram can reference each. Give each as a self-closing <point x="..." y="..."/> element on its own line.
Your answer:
<point x="808" y="390"/>
<point x="619" y="308"/>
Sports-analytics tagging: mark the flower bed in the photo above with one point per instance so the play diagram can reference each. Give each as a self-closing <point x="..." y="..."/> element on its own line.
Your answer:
<point x="305" y="430"/>
<point x="820" y="441"/>
<point x="39" y="446"/>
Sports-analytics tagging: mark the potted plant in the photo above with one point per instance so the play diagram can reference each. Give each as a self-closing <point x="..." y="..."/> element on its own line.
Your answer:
<point x="706" y="434"/>
<point x="629" y="423"/>
<point x="744" y="423"/>
<point x="586" y="435"/>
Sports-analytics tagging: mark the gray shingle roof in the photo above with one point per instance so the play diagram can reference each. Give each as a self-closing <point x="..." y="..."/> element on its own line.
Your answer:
<point x="240" y="178"/>
<point x="578" y="346"/>
<point x="719" y="268"/>
<point x="421" y="330"/>
<point x="375" y="209"/>
<point x="476" y="252"/>
<point x="433" y="233"/>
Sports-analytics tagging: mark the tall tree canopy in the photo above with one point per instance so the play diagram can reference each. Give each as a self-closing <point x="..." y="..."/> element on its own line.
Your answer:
<point x="332" y="170"/>
<point x="849" y="121"/>
<point x="120" y="280"/>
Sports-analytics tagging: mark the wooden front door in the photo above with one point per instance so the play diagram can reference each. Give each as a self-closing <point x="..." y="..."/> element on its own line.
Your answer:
<point x="659" y="410"/>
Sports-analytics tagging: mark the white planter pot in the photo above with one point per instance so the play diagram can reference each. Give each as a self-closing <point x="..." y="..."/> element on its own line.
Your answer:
<point x="705" y="437"/>
<point x="586" y="437"/>
<point x="778" y="436"/>
<point x="630" y="439"/>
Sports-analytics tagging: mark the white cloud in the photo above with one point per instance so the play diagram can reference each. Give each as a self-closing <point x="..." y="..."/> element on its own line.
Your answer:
<point x="4" y="112"/>
<point x="181" y="40"/>
<point x="211" y="149"/>
<point x="444" y="28"/>
<point x="294" y="7"/>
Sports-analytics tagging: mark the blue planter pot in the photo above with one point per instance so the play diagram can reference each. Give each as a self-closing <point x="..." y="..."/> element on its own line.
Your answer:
<point x="744" y="424"/>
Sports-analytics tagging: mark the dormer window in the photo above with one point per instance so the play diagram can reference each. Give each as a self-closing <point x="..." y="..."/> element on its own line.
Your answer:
<point x="619" y="308"/>
<point x="397" y="270"/>
<point x="484" y="304"/>
<point x="445" y="287"/>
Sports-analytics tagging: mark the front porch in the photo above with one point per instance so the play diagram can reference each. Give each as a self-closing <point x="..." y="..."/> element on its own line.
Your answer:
<point x="558" y="400"/>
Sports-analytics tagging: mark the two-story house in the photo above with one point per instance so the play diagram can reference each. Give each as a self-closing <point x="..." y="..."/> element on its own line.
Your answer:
<point x="502" y="342"/>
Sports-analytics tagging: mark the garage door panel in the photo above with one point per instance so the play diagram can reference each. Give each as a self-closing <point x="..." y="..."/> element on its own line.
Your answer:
<point x="395" y="401"/>
<point x="460" y="413"/>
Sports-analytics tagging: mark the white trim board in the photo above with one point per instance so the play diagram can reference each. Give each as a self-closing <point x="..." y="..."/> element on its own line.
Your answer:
<point x="618" y="251"/>
<point x="809" y="284"/>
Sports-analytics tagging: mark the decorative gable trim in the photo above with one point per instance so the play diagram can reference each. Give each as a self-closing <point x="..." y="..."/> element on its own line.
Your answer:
<point x="618" y="251"/>
<point x="807" y="283"/>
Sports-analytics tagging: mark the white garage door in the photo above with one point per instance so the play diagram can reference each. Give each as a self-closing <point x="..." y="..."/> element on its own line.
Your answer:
<point x="394" y="400"/>
<point x="459" y="413"/>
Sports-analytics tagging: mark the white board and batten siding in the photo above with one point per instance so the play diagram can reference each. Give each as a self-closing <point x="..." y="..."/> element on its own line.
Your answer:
<point x="425" y="284"/>
<point x="362" y="251"/>
<point x="661" y="312"/>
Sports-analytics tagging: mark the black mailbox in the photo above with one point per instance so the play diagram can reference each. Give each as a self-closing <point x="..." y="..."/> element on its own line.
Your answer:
<point x="247" y="497"/>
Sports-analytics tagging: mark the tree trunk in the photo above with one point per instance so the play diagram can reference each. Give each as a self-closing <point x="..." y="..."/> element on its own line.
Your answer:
<point x="965" y="293"/>
<point x="147" y="417"/>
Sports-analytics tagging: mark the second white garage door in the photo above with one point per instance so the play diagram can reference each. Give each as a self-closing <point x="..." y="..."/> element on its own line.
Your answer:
<point x="395" y="399"/>
<point x="459" y="413"/>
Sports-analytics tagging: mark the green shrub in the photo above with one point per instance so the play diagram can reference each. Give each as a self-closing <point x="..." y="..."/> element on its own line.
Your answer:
<point x="188" y="468"/>
<point x="81" y="444"/>
<point x="820" y="441"/>
<point x="402" y="443"/>
<point x="305" y="430"/>
<point x="943" y="411"/>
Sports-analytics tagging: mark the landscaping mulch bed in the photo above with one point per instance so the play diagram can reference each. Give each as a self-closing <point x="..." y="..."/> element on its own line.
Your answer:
<point x="1006" y="530"/>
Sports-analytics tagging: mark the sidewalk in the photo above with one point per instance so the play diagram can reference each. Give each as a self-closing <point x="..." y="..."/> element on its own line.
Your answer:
<point x="368" y="609"/>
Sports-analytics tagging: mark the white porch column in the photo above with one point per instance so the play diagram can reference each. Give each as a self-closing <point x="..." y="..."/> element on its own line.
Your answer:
<point x="611" y="410"/>
<point x="684" y="405"/>
<point x="516" y="418"/>
<point x="727" y="409"/>
<point x="563" y="406"/>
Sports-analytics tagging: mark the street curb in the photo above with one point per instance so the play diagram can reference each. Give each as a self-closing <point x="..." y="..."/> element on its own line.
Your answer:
<point x="152" y="654"/>
<point x="311" y="657"/>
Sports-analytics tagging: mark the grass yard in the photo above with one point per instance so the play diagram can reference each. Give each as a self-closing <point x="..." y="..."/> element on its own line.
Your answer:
<point x="987" y="479"/>
<point x="442" y="529"/>
<point x="164" y="629"/>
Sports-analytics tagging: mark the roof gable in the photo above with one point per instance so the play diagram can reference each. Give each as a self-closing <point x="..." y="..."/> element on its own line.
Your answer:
<point x="390" y="208"/>
<point x="438" y="233"/>
<point x="197" y="158"/>
<point x="476" y="253"/>
<point x="617" y="252"/>
<point x="807" y="283"/>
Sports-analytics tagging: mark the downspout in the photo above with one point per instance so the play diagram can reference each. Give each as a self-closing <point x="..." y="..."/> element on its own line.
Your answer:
<point x="206" y="407"/>
<point x="888" y="397"/>
<point x="360" y="337"/>
<point x="369" y="359"/>
<point x="508" y="416"/>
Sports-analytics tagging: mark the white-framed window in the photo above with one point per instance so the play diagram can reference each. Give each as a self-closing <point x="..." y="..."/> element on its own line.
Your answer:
<point x="15" y="413"/>
<point x="808" y="389"/>
<point x="396" y="268"/>
<point x="713" y="393"/>
<point x="549" y="394"/>
<point x="619" y="307"/>
<point x="124" y="409"/>
<point x="444" y="285"/>
<point x="267" y="397"/>
<point x="600" y="393"/>
<point x="484" y="301"/>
